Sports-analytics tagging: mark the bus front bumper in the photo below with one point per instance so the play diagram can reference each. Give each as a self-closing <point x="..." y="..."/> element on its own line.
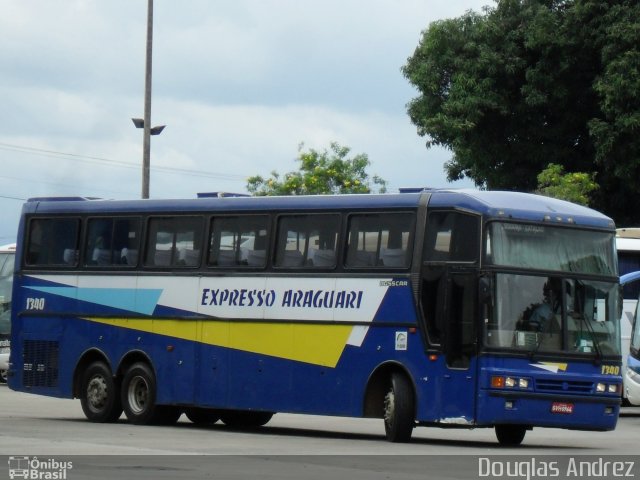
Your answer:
<point x="546" y="410"/>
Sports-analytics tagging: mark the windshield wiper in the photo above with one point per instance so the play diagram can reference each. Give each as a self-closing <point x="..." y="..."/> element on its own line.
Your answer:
<point x="598" y="358"/>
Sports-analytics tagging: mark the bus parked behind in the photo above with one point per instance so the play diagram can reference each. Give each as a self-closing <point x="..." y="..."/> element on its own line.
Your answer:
<point x="7" y="257"/>
<point x="632" y="370"/>
<point x="628" y="249"/>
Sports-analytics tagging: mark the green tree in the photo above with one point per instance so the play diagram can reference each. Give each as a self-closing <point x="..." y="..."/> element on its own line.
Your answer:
<point x="575" y="187"/>
<point x="528" y="82"/>
<point x="326" y="172"/>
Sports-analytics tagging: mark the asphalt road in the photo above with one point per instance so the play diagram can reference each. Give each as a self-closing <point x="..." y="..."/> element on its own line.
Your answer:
<point x="290" y="446"/>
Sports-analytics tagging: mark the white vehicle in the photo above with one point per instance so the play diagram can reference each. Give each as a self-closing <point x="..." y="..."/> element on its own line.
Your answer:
<point x="632" y="371"/>
<point x="628" y="248"/>
<point x="7" y="258"/>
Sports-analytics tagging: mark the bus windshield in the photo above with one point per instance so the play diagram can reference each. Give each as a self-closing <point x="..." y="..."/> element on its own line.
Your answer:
<point x="543" y="247"/>
<point x="553" y="314"/>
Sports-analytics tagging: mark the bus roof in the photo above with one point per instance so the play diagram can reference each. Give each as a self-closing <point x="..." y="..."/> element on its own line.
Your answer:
<point x="523" y="206"/>
<point x="491" y="204"/>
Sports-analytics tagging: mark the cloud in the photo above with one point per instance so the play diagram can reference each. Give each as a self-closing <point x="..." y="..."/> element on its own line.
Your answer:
<point x="239" y="85"/>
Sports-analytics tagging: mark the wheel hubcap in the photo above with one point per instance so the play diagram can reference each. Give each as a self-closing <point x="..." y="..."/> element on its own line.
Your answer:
<point x="389" y="407"/>
<point x="97" y="393"/>
<point x="138" y="395"/>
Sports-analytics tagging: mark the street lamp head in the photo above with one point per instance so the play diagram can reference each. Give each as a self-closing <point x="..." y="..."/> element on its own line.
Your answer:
<point x="139" y="123"/>
<point x="157" y="130"/>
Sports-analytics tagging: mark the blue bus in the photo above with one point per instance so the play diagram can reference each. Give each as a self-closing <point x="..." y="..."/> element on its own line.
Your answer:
<point x="445" y="308"/>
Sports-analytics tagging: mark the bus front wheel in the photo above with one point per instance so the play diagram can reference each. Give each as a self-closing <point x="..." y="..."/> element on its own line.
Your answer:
<point x="399" y="409"/>
<point x="99" y="394"/>
<point x="510" y="435"/>
<point x="139" y="395"/>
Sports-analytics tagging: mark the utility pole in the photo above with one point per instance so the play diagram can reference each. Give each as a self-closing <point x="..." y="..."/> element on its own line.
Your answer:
<point x="146" y="144"/>
<point x="145" y="123"/>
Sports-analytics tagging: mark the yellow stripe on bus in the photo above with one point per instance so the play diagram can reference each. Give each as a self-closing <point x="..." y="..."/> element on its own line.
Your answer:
<point x="310" y="343"/>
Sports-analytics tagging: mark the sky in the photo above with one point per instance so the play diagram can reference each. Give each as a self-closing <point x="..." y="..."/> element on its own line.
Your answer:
<point x="239" y="84"/>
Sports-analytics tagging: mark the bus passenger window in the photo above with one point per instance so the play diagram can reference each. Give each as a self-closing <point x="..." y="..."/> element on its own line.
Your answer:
<point x="380" y="240"/>
<point x="307" y="241"/>
<point x="53" y="241"/>
<point x="174" y="242"/>
<point x="238" y="241"/>
<point x="112" y="241"/>
<point x="126" y="241"/>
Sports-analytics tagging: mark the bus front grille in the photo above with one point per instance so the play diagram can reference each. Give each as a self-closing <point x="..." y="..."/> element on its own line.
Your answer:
<point x="563" y="386"/>
<point x="40" y="367"/>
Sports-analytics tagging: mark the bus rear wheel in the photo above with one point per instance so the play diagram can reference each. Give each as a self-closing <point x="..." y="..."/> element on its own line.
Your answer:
<point x="243" y="419"/>
<point x="399" y="406"/>
<point x="510" y="435"/>
<point x="139" y="396"/>
<point x="100" y="394"/>
<point x="166" y="415"/>
<point x="202" y="416"/>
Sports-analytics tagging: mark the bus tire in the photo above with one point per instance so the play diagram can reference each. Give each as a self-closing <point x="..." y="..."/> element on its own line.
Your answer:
<point x="202" y="416"/>
<point x="100" y="394"/>
<point x="139" y="395"/>
<point x="510" y="435"/>
<point x="399" y="407"/>
<point x="245" y="419"/>
<point x="166" y="415"/>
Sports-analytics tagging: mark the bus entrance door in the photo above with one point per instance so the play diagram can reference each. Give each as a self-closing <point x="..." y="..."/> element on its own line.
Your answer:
<point x="457" y="406"/>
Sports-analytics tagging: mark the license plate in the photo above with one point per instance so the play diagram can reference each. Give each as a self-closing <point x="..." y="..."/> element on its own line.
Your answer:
<point x="565" y="408"/>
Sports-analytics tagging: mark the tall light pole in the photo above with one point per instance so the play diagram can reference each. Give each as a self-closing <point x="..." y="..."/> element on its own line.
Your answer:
<point x="146" y="122"/>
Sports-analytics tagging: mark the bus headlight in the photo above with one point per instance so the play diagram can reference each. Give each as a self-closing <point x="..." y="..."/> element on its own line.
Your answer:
<point x="510" y="382"/>
<point x="608" y="387"/>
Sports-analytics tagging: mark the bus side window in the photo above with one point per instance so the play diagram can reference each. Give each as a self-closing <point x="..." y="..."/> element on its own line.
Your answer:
<point x="53" y="242"/>
<point x="452" y="237"/>
<point x="174" y="242"/>
<point x="307" y="241"/>
<point x="379" y="240"/>
<point x="112" y="241"/>
<point x="432" y="302"/>
<point x="238" y="241"/>
<point x="460" y="334"/>
<point x="126" y="241"/>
